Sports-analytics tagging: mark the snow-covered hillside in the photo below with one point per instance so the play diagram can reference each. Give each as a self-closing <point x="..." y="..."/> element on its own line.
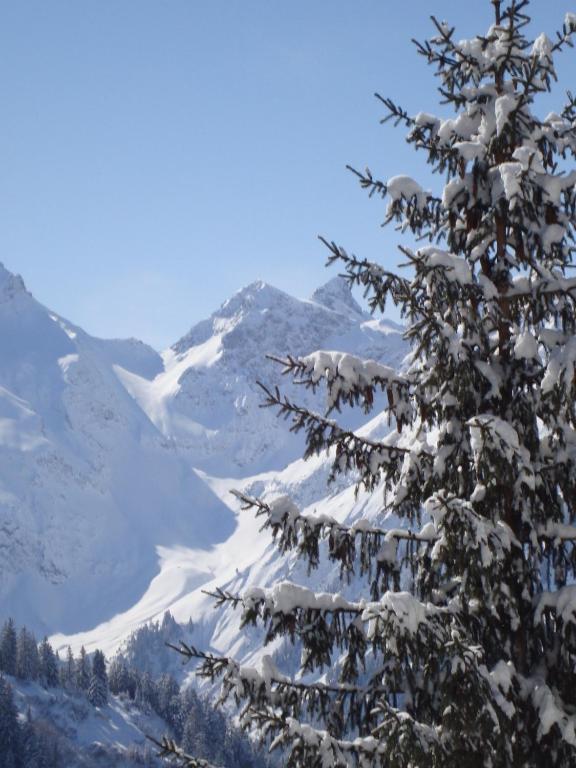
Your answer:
<point x="116" y="462"/>
<point x="248" y="558"/>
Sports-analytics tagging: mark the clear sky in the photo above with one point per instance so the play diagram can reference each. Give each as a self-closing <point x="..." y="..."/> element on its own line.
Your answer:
<point x="157" y="155"/>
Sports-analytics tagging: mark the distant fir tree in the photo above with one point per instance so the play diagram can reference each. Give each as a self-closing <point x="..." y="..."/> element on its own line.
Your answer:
<point x="462" y="652"/>
<point x="68" y="671"/>
<point x="27" y="659"/>
<point x="98" y="686"/>
<point x="41" y="746"/>
<point x="167" y="699"/>
<point x="83" y="670"/>
<point x="146" y="692"/>
<point x="121" y="678"/>
<point x="48" y="665"/>
<point x="10" y="736"/>
<point x="8" y="648"/>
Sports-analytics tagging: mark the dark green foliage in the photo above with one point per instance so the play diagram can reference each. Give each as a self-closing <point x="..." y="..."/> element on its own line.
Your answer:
<point x="10" y="735"/>
<point x="48" y="667"/>
<point x="27" y="659"/>
<point x="8" y="648"/>
<point x="67" y="671"/>
<point x="120" y="678"/>
<point x="83" y="670"/>
<point x="98" y="686"/>
<point x="36" y="741"/>
<point x="146" y="648"/>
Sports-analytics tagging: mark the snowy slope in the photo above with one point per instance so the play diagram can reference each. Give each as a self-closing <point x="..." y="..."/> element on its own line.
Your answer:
<point x="207" y="398"/>
<point x="116" y="462"/>
<point x="114" y="735"/>
<point x="88" y="486"/>
<point x="247" y="558"/>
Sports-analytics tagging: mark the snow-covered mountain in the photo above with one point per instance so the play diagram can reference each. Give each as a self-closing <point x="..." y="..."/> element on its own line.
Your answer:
<point x="88" y="486"/>
<point x="116" y="462"/>
<point x="207" y="399"/>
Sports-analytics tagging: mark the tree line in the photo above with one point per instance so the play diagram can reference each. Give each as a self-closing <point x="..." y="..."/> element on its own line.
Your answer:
<point x="29" y="742"/>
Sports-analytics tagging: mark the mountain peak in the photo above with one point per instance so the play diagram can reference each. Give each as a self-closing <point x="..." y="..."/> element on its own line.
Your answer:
<point x="337" y="296"/>
<point x="10" y="284"/>
<point x="257" y="294"/>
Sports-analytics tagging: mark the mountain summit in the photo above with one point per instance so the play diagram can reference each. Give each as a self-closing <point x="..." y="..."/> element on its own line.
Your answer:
<point x="337" y="296"/>
<point x="10" y="284"/>
<point x="207" y="398"/>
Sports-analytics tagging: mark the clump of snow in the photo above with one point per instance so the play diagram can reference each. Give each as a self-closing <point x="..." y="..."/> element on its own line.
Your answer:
<point x="511" y="174"/>
<point x="526" y="346"/>
<point x="451" y="191"/>
<point x="455" y="267"/>
<point x="529" y="157"/>
<point x="470" y="150"/>
<point x="561" y="365"/>
<point x="424" y="118"/>
<point x="503" y="106"/>
<point x="554" y="185"/>
<point x="550" y="714"/>
<point x="405" y="187"/>
<point x="286" y="597"/>
<point x="542" y="47"/>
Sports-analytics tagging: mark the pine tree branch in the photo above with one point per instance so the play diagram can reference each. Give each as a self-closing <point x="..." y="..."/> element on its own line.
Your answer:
<point x="169" y="749"/>
<point x="376" y="550"/>
<point x="351" y="380"/>
<point x="329" y="526"/>
<point x="557" y="532"/>
<point x="306" y="742"/>
<point x="369" y="458"/>
<point x="346" y="705"/>
<point x="371" y="276"/>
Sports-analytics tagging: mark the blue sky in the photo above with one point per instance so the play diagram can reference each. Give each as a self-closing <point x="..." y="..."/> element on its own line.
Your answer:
<point x="157" y="155"/>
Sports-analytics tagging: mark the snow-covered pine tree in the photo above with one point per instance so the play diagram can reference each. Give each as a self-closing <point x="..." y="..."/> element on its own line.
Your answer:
<point x="98" y="686"/>
<point x="67" y="671"/>
<point x="48" y="669"/>
<point x="462" y="652"/>
<point x="83" y="670"/>
<point x="8" y="648"/>
<point x="27" y="659"/>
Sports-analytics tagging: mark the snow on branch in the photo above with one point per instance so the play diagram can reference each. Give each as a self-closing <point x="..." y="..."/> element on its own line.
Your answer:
<point x="168" y="748"/>
<point x="351" y="380"/>
<point x="552" y="712"/>
<point x="283" y="512"/>
<point x="327" y="621"/>
<point x="494" y="442"/>
<point x="344" y="705"/>
<point x="561" y="603"/>
<point x="479" y="539"/>
<point x="557" y="532"/>
<point x="308" y="745"/>
<point x="291" y="529"/>
<point x="370" y="458"/>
